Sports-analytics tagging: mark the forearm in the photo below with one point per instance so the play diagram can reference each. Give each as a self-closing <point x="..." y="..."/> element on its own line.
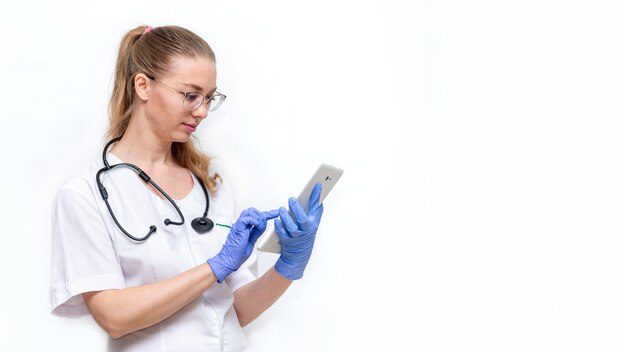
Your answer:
<point x="257" y="296"/>
<point x="120" y="312"/>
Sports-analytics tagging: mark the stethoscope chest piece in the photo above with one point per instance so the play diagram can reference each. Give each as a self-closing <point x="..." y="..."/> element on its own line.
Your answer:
<point x="202" y="225"/>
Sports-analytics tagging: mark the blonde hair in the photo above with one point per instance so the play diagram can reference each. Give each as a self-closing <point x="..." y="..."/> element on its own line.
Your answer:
<point x="150" y="51"/>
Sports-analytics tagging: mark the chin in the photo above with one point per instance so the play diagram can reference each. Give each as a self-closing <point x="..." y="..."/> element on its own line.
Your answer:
<point x="181" y="138"/>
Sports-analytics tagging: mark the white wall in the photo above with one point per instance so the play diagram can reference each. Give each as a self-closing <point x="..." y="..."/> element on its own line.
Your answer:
<point x="482" y="206"/>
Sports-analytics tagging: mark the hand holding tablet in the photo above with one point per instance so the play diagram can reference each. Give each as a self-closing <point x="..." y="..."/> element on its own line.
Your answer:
<point x="327" y="176"/>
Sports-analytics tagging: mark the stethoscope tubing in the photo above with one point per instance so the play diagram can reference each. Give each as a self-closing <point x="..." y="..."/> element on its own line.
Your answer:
<point x="200" y="225"/>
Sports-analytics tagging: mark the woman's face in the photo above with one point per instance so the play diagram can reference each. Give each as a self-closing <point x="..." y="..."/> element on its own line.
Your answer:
<point x="164" y="109"/>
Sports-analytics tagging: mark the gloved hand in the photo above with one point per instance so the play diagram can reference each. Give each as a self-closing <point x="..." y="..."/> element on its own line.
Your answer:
<point x="240" y="241"/>
<point x="297" y="237"/>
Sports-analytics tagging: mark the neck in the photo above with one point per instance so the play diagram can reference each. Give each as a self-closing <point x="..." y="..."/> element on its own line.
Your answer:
<point x="141" y="146"/>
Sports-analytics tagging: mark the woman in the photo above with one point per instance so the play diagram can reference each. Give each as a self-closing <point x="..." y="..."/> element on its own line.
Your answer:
<point x="124" y="248"/>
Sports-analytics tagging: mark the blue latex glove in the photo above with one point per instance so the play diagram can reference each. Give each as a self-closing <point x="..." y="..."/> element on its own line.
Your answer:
<point x="240" y="241"/>
<point x="297" y="237"/>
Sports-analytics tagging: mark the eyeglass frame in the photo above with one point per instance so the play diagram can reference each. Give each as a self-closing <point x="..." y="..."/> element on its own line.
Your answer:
<point x="204" y="97"/>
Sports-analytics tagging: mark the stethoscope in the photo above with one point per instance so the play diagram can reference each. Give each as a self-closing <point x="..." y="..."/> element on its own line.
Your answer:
<point x="200" y="224"/>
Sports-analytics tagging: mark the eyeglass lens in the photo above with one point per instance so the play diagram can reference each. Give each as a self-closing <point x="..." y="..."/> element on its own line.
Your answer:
<point x="194" y="100"/>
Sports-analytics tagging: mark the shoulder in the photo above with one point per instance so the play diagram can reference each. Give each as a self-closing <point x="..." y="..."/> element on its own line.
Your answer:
<point x="216" y="168"/>
<point x="82" y="185"/>
<point x="225" y="195"/>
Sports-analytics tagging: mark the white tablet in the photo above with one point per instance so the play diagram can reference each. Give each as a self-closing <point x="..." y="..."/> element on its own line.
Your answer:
<point x="327" y="175"/>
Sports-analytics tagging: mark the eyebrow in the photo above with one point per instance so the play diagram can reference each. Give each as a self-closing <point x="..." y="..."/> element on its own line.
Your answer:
<point x="198" y="88"/>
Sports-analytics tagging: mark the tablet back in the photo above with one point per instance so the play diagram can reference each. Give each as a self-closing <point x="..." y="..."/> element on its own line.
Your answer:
<point x="327" y="175"/>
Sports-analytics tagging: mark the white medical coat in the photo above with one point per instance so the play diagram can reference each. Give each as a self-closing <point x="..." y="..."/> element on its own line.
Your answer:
<point x="90" y="253"/>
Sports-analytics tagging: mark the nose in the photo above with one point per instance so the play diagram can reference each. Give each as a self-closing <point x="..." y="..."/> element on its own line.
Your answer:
<point x="201" y="112"/>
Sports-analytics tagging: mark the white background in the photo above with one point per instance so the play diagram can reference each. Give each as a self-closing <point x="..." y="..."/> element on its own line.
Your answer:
<point x="483" y="200"/>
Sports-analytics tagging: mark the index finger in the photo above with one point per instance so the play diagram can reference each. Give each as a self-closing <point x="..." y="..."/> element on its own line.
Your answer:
<point x="272" y="214"/>
<point x="297" y="211"/>
<point x="314" y="199"/>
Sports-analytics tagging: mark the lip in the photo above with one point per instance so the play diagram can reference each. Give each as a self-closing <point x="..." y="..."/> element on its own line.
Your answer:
<point x="190" y="127"/>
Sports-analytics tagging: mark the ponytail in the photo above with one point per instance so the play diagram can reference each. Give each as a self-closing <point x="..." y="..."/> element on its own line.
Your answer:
<point x="122" y="97"/>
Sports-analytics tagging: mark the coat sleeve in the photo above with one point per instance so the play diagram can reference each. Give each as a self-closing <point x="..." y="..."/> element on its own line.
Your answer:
<point x="83" y="256"/>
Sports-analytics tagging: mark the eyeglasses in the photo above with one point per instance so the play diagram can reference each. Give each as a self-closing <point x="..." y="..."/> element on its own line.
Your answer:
<point x="193" y="100"/>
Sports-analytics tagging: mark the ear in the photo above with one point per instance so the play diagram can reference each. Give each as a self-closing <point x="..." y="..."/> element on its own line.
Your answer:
<point x="142" y="86"/>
